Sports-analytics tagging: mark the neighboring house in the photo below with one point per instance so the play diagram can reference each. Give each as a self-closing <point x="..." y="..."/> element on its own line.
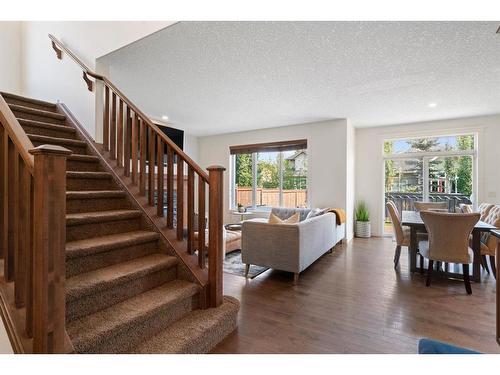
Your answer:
<point x="299" y="162"/>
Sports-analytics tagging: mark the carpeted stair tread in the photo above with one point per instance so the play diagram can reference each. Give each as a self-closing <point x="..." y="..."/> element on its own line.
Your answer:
<point x="101" y="244"/>
<point x="57" y="141"/>
<point x="36" y="111"/>
<point x="84" y="158"/>
<point x="197" y="332"/>
<point x="94" y="194"/>
<point x="92" y="329"/>
<point x="101" y="216"/>
<point x="47" y="125"/>
<point x="119" y="274"/>
<point x="88" y="175"/>
<point x="28" y="101"/>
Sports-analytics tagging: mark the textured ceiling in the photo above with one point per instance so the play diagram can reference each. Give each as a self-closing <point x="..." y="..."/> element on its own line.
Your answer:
<point x="217" y="77"/>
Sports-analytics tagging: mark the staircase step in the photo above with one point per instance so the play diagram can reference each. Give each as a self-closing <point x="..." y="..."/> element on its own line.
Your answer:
<point x="93" y="291"/>
<point x="198" y="332"/>
<point x="88" y="163"/>
<point x="75" y="145"/>
<point x="89" y="180"/>
<point x="101" y="217"/>
<point x="22" y="112"/>
<point x="84" y="225"/>
<point x="94" y="246"/>
<point x="91" y="201"/>
<point x="47" y="129"/>
<point x="28" y="102"/>
<point x="130" y="322"/>
<point x="90" y="246"/>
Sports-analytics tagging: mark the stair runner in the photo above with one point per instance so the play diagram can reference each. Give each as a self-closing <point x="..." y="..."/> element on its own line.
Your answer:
<point x="123" y="289"/>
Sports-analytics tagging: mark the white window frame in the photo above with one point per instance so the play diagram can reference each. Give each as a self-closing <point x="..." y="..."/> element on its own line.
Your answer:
<point x="427" y="155"/>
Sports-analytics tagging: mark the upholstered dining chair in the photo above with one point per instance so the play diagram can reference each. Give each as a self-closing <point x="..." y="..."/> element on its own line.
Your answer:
<point x="421" y="206"/>
<point x="443" y="247"/>
<point x="402" y="234"/>
<point x="465" y="208"/>
<point x="490" y="245"/>
<point x="484" y="209"/>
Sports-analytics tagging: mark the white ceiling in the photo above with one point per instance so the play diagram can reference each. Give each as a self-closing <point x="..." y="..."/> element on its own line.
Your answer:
<point x="218" y="77"/>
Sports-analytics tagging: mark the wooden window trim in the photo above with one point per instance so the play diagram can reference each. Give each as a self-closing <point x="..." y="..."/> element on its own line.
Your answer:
<point x="269" y="147"/>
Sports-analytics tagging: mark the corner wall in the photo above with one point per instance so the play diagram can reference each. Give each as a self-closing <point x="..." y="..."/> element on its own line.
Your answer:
<point x="11" y="60"/>
<point x="369" y="160"/>
<point x="329" y="143"/>
<point x="47" y="78"/>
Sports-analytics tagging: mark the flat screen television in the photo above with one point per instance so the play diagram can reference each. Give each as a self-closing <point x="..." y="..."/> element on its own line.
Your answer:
<point x="176" y="135"/>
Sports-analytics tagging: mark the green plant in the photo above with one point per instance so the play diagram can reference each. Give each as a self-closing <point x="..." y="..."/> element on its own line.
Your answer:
<point x="362" y="213"/>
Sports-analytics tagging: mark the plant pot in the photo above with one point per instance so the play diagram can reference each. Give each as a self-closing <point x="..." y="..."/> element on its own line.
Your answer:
<point x="363" y="229"/>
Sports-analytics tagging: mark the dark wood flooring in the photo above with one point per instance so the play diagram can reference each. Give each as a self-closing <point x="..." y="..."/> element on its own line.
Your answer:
<point x="353" y="301"/>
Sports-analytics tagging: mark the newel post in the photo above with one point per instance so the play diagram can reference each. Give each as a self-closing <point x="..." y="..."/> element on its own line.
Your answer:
<point x="215" y="233"/>
<point x="49" y="239"/>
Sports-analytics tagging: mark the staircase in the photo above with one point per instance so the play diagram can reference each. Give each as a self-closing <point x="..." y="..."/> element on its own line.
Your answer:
<point x="127" y="289"/>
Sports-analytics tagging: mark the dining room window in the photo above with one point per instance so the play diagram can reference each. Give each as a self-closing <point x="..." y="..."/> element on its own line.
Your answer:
<point x="269" y="175"/>
<point x="429" y="169"/>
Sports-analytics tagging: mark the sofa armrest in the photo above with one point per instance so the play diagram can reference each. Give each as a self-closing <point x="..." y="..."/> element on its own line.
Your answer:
<point x="316" y="236"/>
<point x="270" y="245"/>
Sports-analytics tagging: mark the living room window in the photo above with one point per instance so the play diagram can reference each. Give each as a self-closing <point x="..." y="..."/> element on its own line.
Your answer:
<point x="269" y="175"/>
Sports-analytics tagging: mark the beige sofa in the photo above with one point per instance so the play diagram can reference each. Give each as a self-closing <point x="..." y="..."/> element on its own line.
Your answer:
<point x="289" y="247"/>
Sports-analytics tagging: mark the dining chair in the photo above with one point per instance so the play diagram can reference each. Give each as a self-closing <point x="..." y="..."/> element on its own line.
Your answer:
<point x="465" y="208"/>
<point x="489" y="244"/>
<point x="402" y="234"/>
<point x="444" y="247"/>
<point x="422" y="206"/>
<point x="484" y="209"/>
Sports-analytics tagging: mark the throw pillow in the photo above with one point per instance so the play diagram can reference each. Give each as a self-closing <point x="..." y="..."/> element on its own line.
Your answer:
<point x="316" y="212"/>
<point x="273" y="219"/>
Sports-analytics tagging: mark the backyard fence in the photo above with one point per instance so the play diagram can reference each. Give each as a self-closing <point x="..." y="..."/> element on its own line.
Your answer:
<point x="271" y="197"/>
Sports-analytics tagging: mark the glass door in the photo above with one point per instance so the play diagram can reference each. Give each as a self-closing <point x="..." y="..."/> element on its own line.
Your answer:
<point x="403" y="185"/>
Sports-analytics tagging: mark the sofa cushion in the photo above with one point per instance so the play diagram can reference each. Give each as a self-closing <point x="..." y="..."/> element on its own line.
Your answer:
<point x="273" y="219"/>
<point x="284" y="213"/>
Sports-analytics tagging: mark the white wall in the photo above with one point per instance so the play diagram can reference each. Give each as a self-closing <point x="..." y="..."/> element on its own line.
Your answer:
<point x="10" y="62"/>
<point x="369" y="163"/>
<point x="45" y="77"/>
<point x="327" y="144"/>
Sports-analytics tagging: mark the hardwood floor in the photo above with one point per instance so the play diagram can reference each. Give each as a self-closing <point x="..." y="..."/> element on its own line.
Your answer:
<point x="353" y="301"/>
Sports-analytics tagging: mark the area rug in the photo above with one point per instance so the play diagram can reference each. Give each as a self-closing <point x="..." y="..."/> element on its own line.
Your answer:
<point x="234" y="266"/>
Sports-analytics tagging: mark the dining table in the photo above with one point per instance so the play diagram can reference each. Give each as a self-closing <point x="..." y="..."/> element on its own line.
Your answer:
<point x="413" y="220"/>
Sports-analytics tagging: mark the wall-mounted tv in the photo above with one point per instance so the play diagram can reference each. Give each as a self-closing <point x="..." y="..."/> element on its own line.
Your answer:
<point x="175" y="135"/>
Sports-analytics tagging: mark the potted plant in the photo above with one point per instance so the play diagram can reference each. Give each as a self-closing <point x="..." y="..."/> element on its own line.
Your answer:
<point x="363" y="227"/>
<point x="241" y="208"/>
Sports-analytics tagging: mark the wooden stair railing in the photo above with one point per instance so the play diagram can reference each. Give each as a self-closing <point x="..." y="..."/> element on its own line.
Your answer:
<point x="32" y="238"/>
<point x="136" y="144"/>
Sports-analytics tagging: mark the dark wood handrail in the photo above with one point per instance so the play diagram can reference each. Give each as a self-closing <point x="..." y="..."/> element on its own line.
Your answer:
<point x="16" y="134"/>
<point x="130" y="105"/>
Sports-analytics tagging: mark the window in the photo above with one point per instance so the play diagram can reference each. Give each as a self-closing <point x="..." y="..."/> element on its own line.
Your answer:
<point x="269" y="175"/>
<point x="430" y="169"/>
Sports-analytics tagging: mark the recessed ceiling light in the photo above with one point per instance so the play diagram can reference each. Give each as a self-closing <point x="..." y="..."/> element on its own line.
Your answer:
<point x="164" y="117"/>
<point x="432" y="105"/>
